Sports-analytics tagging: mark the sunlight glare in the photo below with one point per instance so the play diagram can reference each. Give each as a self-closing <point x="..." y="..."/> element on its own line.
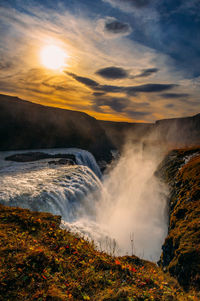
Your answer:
<point x="53" y="57"/>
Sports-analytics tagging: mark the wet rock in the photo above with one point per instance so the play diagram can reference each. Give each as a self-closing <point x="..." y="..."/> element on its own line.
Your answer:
<point x="69" y="159"/>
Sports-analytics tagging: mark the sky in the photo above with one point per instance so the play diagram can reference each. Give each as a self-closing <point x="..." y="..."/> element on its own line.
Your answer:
<point x="121" y="60"/>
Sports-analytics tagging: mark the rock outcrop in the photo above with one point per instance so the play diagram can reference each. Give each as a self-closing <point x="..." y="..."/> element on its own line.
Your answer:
<point x="181" y="249"/>
<point x="36" y="156"/>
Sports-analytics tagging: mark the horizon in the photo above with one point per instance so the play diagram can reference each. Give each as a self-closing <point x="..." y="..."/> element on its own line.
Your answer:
<point x="130" y="122"/>
<point x="70" y="55"/>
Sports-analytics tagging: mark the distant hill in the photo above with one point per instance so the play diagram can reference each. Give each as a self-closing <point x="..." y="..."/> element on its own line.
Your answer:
<point x="26" y="125"/>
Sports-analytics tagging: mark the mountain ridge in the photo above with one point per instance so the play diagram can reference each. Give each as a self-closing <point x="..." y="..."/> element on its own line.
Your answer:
<point x="27" y="125"/>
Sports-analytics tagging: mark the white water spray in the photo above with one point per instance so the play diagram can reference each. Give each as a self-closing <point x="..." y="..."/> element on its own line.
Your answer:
<point x="129" y="206"/>
<point x="133" y="205"/>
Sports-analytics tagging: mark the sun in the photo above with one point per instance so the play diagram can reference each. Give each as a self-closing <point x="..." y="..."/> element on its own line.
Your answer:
<point x="53" y="57"/>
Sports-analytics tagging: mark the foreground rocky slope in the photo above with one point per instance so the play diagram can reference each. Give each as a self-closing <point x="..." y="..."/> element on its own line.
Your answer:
<point x="181" y="250"/>
<point x="39" y="261"/>
<point x="26" y="125"/>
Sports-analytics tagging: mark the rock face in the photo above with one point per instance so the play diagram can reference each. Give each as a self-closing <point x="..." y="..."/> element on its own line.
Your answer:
<point x="179" y="132"/>
<point x="25" y="125"/>
<point x="181" y="249"/>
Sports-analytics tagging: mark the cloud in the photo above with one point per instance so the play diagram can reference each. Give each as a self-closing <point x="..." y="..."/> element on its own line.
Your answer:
<point x="110" y="27"/>
<point x="98" y="94"/>
<point x="125" y="4"/>
<point x="146" y="72"/>
<point x="174" y="95"/>
<point x="26" y="31"/>
<point x="120" y="73"/>
<point x="149" y="88"/>
<point x="130" y="90"/>
<point x="169" y="105"/>
<point x="118" y="104"/>
<point x="84" y="80"/>
<point x="113" y="73"/>
<point x="94" y="85"/>
<point x="117" y="27"/>
<point x="5" y="65"/>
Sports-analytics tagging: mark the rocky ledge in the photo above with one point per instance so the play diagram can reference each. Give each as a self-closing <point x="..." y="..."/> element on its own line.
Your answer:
<point x="64" y="159"/>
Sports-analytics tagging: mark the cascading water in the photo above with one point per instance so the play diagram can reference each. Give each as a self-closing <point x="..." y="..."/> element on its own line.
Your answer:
<point x="62" y="190"/>
<point x="128" y="206"/>
<point x="133" y="204"/>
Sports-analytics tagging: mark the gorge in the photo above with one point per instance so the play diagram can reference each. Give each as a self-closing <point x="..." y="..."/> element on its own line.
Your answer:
<point x="146" y="202"/>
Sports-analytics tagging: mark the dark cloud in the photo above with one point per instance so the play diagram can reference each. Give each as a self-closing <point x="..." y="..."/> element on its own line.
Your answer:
<point x="174" y="95"/>
<point x="94" y="85"/>
<point x="98" y="94"/>
<point x="110" y="27"/>
<point x="84" y="80"/>
<point x="117" y="27"/>
<point x="113" y="73"/>
<point x="146" y="72"/>
<point x="111" y="89"/>
<point x="149" y="88"/>
<point x="118" y="104"/>
<point x="131" y="90"/>
<point x="169" y="105"/>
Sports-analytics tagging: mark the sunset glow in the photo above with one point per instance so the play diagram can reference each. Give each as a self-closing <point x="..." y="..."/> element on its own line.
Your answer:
<point x="53" y="57"/>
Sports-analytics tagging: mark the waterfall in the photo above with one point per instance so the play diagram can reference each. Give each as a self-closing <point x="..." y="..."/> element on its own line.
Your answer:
<point x="129" y="205"/>
<point x="62" y="190"/>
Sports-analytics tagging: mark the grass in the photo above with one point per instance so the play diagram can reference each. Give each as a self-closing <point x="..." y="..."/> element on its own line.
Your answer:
<point x="39" y="261"/>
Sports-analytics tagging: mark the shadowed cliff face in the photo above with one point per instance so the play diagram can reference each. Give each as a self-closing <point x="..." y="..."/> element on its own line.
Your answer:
<point x="179" y="132"/>
<point x="181" y="249"/>
<point x="25" y="125"/>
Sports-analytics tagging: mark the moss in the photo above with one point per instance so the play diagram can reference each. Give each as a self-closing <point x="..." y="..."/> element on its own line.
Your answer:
<point x="181" y="250"/>
<point x="39" y="261"/>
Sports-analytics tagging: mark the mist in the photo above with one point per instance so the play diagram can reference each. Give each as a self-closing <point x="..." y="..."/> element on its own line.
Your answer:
<point x="133" y="203"/>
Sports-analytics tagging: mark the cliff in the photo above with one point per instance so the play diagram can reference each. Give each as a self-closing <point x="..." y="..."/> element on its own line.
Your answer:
<point x="181" y="249"/>
<point x="176" y="132"/>
<point x="25" y="125"/>
<point x="179" y="131"/>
